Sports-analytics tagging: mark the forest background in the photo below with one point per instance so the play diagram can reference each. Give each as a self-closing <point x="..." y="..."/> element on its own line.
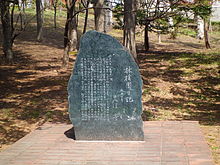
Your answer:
<point x="174" y="42"/>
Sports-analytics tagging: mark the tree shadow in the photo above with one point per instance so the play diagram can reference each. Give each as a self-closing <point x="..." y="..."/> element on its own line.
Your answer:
<point x="190" y="88"/>
<point x="187" y="44"/>
<point x="9" y="136"/>
<point x="33" y="91"/>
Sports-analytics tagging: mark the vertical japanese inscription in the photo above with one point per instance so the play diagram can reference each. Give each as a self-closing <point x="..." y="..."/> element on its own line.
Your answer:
<point x="127" y="79"/>
<point x="105" y="91"/>
<point x="96" y="80"/>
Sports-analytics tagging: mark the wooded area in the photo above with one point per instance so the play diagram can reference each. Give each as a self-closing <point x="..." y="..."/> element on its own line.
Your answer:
<point x="154" y="15"/>
<point x="174" y="42"/>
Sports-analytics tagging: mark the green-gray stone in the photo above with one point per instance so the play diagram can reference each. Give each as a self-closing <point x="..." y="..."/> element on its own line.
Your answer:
<point x="105" y="91"/>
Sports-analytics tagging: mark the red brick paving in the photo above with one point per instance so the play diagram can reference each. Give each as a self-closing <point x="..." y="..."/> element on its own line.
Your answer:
<point x="166" y="143"/>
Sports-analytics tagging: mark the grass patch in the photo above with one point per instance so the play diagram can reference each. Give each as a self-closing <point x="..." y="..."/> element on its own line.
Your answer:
<point x="150" y="89"/>
<point x="191" y="91"/>
<point x="212" y="135"/>
<point x="148" y="115"/>
<point x="7" y="112"/>
<point x="188" y="32"/>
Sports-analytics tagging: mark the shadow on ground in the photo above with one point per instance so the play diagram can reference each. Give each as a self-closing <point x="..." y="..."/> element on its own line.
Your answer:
<point x="70" y="133"/>
<point x="178" y="85"/>
<point x="181" y="85"/>
<point x="33" y="89"/>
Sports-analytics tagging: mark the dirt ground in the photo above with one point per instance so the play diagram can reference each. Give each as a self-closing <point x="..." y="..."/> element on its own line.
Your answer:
<point x="181" y="82"/>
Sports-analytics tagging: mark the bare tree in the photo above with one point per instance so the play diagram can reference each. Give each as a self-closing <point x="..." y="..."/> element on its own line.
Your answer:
<point x="55" y="4"/>
<point x="70" y="33"/>
<point x="99" y="13"/>
<point x="206" y="36"/>
<point x="86" y="5"/>
<point x="22" y="15"/>
<point x="108" y="16"/>
<point x="129" y="26"/>
<point x="40" y="14"/>
<point x="7" y="29"/>
<point x="200" y="27"/>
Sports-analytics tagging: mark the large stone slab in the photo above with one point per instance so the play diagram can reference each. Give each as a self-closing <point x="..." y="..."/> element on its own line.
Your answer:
<point x="105" y="91"/>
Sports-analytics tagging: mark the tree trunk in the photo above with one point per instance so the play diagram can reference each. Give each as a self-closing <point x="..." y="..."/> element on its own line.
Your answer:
<point x="129" y="26"/>
<point x="12" y="20"/>
<point x="72" y="30"/>
<point x="39" y="11"/>
<point x="70" y="33"/>
<point x="99" y="15"/>
<point x="200" y="27"/>
<point x="55" y="16"/>
<point x="65" y="61"/>
<point x="146" y="37"/>
<point x="206" y="37"/>
<point x="108" y="16"/>
<point x="22" y="14"/>
<point x="7" y="31"/>
<point x="159" y="37"/>
<point x="210" y="26"/>
<point x="86" y="18"/>
<point x="173" y="29"/>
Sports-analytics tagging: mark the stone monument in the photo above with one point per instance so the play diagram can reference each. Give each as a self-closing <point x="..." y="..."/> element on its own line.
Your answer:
<point x="105" y="91"/>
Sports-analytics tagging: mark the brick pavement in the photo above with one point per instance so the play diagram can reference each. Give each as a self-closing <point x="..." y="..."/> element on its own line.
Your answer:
<point x="166" y="143"/>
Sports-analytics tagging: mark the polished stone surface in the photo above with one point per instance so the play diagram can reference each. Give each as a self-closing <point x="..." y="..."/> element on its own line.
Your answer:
<point x="105" y="91"/>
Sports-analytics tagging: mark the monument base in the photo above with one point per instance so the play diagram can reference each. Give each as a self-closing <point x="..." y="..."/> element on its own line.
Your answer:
<point x="121" y="130"/>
